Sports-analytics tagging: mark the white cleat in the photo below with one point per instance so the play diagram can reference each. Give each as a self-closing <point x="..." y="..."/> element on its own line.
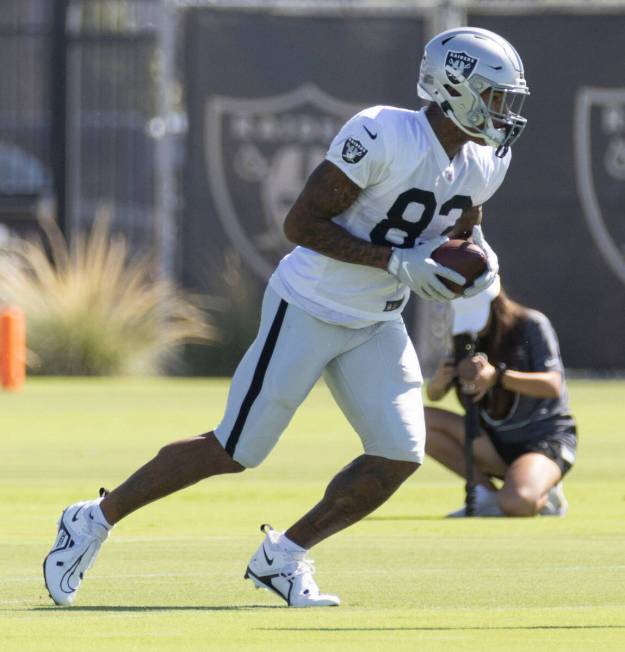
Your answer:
<point x="286" y="573"/>
<point x="77" y="544"/>
<point x="557" y="504"/>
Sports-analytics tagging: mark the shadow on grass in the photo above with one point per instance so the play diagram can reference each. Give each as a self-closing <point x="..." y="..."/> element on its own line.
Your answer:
<point x="434" y="629"/>
<point x="147" y="609"/>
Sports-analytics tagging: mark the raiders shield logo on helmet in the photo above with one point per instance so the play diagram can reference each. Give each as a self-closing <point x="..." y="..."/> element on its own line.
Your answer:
<point x="259" y="153"/>
<point x="459" y="66"/>
<point x="600" y="169"/>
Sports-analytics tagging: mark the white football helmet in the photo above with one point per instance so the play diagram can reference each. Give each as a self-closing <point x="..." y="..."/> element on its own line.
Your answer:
<point x="458" y="66"/>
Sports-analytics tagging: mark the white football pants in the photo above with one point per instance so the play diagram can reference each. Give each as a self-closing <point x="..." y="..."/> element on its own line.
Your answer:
<point x="372" y="372"/>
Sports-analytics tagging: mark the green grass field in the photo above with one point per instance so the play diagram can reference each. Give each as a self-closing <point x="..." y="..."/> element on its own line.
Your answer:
<point x="171" y="576"/>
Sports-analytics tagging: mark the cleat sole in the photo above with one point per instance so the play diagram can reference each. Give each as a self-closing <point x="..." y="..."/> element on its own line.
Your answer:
<point x="259" y="584"/>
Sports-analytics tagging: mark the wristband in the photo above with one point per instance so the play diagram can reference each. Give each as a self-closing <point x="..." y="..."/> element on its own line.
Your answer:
<point x="500" y="371"/>
<point x="393" y="262"/>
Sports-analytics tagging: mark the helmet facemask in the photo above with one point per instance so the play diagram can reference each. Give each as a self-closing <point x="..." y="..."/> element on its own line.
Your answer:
<point x="491" y="112"/>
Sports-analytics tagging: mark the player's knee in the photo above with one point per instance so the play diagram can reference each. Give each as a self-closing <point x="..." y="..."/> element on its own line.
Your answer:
<point x="403" y="469"/>
<point x="201" y="456"/>
<point x="518" y="502"/>
<point x="391" y="473"/>
<point x="367" y="483"/>
<point x="168" y="451"/>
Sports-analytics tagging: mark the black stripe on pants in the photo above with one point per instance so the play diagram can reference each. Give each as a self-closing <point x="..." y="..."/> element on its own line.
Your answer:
<point x="257" y="379"/>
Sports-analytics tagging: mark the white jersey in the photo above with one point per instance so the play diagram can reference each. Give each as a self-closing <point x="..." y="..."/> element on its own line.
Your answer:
<point x="410" y="190"/>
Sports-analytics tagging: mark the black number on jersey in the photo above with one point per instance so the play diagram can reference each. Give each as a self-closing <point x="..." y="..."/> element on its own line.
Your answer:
<point x="412" y="230"/>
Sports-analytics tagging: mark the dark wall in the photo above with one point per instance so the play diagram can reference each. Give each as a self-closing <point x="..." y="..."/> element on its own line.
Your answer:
<point x="539" y="221"/>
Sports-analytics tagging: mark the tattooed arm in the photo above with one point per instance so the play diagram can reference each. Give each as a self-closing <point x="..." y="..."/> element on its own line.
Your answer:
<point x="469" y="225"/>
<point x="464" y="226"/>
<point x="327" y="193"/>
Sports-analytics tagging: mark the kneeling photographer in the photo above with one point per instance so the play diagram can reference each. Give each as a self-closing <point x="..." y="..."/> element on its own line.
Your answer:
<point x="526" y="436"/>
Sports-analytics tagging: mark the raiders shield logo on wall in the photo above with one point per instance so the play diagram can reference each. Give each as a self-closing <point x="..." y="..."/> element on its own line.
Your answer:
<point x="259" y="153"/>
<point x="600" y="169"/>
<point x="459" y="66"/>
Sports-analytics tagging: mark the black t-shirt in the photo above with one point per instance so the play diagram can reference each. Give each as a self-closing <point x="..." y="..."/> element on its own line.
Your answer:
<point x="535" y="348"/>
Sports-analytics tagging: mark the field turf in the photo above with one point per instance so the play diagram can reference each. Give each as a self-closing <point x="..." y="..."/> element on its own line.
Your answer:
<point x="171" y="577"/>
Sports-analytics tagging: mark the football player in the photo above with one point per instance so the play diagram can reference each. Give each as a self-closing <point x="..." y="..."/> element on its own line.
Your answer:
<point x="394" y="186"/>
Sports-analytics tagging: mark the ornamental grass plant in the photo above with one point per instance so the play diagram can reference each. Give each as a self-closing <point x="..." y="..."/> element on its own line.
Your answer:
<point x="92" y="309"/>
<point x="233" y="298"/>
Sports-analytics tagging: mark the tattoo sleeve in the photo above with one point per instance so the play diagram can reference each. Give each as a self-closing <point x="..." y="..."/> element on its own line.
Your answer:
<point x="355" y="491"/>
<point x="327" y="193"/>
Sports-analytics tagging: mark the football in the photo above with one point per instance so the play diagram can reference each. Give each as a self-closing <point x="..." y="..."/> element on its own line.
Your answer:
<point x="463" y="257"/>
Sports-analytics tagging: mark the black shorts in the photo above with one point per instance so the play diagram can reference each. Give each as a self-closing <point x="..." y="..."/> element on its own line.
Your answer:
<point x="559" y="445"/>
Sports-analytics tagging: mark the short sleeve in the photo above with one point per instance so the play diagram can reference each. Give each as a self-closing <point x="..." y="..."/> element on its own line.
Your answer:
<point x="360" y="149"/>
<point x="494" y="172"/>
<point x="543" y="344"/>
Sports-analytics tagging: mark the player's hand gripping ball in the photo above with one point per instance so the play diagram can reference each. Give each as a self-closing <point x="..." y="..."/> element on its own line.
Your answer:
<point x="463" y="257"/>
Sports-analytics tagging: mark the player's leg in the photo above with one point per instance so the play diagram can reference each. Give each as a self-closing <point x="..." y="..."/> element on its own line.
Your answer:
<point x="183" y="463"/>
<point x="84" y="526"/>
<point x="358" y="378"/>
<point x="527" y="483"/>
<point x="377" y="384"/>
<point x="281" y="562"/>
<point x="356" y="491"/>
<point x="445" y="444"/>
<point x="176" y="466"/>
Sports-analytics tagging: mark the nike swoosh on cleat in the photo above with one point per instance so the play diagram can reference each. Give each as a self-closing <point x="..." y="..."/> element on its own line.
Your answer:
<point x="64" y="584"/>
<point x="267" y="559"/>
<point x="75" y="517"/>
<point x="372" y="136"/>
<point x="265" y="580"/>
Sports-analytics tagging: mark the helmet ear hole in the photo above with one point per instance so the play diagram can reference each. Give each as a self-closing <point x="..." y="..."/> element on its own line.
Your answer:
<point x="452" y="91"/>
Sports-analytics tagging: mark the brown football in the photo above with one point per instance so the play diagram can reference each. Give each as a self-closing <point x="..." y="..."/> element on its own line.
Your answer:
<point x="463" y="257"/>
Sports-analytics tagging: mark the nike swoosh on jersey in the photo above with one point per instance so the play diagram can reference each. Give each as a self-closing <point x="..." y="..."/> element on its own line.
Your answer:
<point x="372" y="136"/>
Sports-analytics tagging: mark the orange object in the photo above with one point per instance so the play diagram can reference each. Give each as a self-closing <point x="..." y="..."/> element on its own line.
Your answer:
<point x="12" y="348"/>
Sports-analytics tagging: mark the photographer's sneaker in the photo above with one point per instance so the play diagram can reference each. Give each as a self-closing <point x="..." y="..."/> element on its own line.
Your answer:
<point x="287" y="573"/>
<point x="80" y="534"/>
<point x="486" y="505"/>
<point x="557" y="504"/>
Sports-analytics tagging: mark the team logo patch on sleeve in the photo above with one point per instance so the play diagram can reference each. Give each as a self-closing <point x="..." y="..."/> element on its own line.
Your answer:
<point x="353" y="151"/>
